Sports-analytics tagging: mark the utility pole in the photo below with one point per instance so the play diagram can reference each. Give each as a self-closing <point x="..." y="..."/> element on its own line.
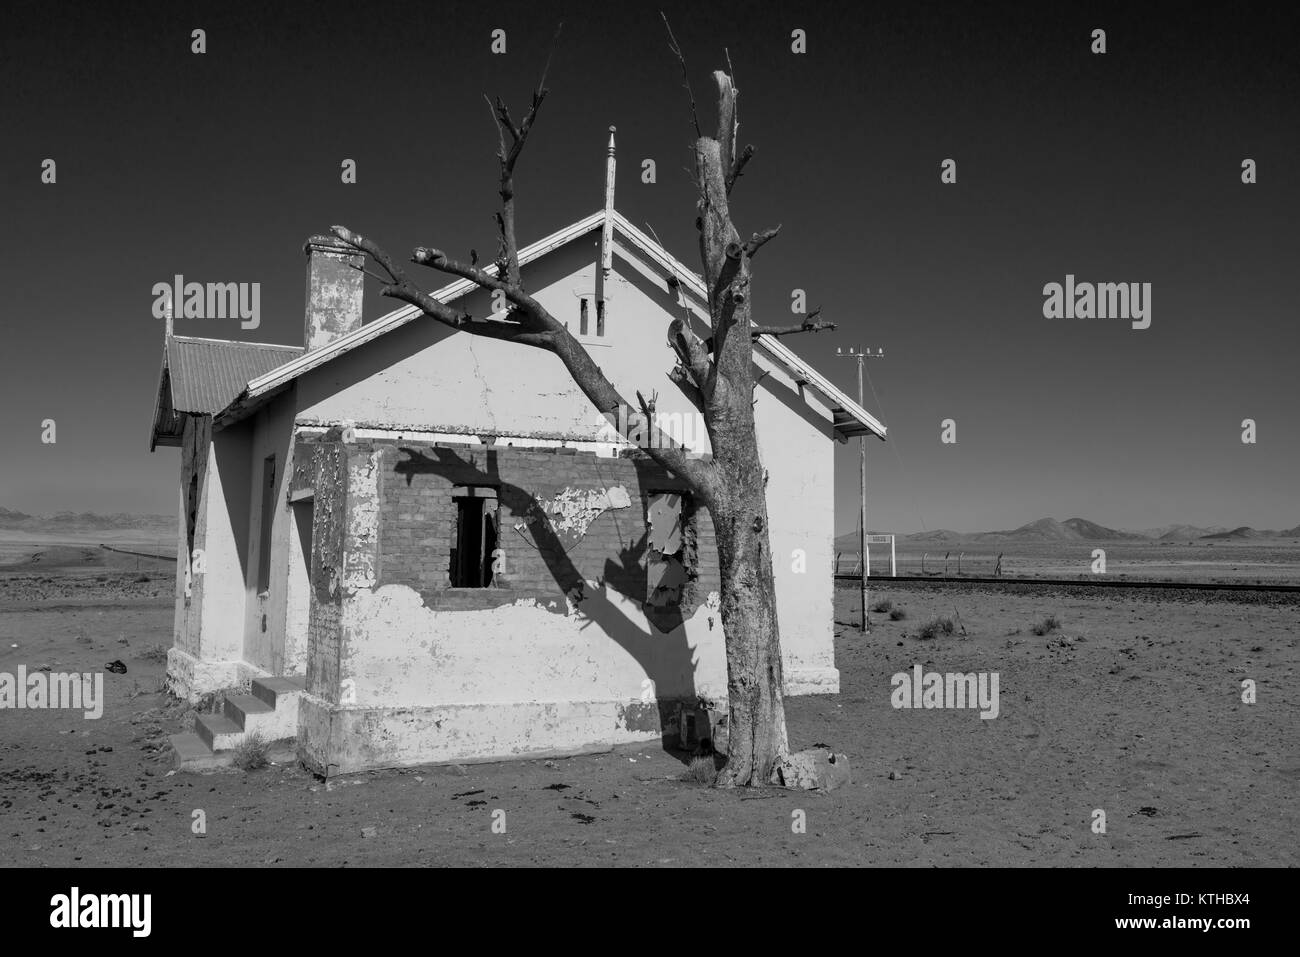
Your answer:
<point x="864" y="552"/>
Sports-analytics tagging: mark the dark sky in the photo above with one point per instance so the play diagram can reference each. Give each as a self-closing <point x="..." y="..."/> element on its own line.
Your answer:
<point x="1121" y="167"/>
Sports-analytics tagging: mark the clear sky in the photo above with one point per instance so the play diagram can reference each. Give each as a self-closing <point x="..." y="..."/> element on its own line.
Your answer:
<point x="1122" y="167"/>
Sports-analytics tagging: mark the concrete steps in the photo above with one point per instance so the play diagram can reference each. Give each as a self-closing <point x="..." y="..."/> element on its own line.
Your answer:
<point x="269" y="712"/>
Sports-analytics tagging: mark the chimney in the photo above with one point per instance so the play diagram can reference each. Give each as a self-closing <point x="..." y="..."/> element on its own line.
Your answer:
<point x="334" y="290"/>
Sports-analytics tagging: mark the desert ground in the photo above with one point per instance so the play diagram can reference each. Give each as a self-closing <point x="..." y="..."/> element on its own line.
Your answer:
<point x="1133" y="706"/>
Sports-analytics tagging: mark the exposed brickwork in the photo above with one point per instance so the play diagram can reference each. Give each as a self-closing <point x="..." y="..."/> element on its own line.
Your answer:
<point x="541" y="558"/>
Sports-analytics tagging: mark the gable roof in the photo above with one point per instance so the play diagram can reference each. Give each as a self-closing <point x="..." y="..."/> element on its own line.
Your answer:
<point x="203" y="376"/>
<point x="849" y="418"/>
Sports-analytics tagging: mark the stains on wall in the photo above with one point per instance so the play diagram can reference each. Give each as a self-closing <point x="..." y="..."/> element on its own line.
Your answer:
<point x="321" y="464"/>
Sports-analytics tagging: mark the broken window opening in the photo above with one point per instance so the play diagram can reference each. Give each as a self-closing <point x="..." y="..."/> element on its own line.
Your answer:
<point x="582" y="318"/>
<point x="670" y="549"/>
<point x="476" y="537"/>
<point x="600" y="317"/>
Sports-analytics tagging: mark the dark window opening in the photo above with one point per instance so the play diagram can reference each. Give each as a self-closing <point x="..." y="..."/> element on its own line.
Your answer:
<point x="582" y="318"/>
<point x="191" y="515"/>
<point x="268" y="518"/>
<point x="600" y="317"/>
<point x="472" y="556"/>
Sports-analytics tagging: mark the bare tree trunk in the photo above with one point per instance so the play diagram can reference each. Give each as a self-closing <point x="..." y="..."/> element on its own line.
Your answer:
<point x="756" y="736"/>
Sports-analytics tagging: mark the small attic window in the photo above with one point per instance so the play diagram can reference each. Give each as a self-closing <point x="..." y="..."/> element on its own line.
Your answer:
<point x="582" y="318"/>
<point x="600" y="317"/>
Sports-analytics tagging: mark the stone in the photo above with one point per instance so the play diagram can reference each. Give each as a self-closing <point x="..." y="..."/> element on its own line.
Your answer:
<point x="812" y="769"/>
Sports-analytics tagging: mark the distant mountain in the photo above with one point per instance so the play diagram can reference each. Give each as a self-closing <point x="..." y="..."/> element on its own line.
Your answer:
<point x="938" y="535"/>
<point x="1092" y="532"/>
<point x="1043" y="530"/>
<point x="1241" y="532"/>
<point x="1179" y="533"/>
<point x="1050" y="530"/>
<point x="1079" y="530"/>
<point x="69" y="522"/>
<point x="1246" y="533"/>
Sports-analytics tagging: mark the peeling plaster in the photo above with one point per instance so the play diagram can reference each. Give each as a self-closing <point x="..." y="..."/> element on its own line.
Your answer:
<point x="362" y="523"/>
<point x="573" y="510"/>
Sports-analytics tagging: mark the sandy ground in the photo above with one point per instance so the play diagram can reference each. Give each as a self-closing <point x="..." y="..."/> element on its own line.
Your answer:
<point x="1134" y="707"/>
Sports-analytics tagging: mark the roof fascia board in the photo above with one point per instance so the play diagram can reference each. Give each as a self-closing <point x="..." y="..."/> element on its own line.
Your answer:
<point x="824" y="385"/>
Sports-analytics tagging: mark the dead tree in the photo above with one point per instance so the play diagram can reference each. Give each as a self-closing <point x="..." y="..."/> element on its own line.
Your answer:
<point x="717" y="372"/>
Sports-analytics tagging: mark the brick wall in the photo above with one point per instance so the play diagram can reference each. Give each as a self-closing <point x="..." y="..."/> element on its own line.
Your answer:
<point x="542" y="558"/>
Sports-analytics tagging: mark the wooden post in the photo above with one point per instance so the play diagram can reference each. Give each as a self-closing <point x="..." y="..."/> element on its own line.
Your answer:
<point x="607" y="227"/>
<point x="862" y="465"/>
<point x="864" y="552"/>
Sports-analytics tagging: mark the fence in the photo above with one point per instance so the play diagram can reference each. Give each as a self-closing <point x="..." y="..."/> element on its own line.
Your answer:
<point x="887" y="563"/>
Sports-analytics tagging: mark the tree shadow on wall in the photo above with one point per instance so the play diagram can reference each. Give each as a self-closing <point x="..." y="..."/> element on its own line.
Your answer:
<point x="661" y="650"/>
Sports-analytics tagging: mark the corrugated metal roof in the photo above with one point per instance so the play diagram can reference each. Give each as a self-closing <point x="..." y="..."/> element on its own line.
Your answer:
<point x="207" y="374"/>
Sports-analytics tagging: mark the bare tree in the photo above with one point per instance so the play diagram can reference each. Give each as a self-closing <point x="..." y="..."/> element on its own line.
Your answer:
<point x="719" y="375"/>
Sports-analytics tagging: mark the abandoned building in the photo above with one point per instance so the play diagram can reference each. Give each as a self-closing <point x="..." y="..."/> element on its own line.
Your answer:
<point x="421" y="546"/>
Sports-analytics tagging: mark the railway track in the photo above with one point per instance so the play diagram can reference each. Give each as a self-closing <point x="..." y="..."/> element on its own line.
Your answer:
<point x="1080" y="582"/>
<point x="125" y="551"/>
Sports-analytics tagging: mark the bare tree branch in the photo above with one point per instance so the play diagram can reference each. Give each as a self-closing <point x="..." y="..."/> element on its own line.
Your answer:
<point x="399" y="286"/>
<point x="728" y="121"/>
<point x="738" y="168"/>
<point x="810" y="324"/>
<point x="372" y="275"/>
<point x="756" y="243"/>
<point x="509" y="254"/>
<point x="692" y="355"/>
<point x="686" y="77"/>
